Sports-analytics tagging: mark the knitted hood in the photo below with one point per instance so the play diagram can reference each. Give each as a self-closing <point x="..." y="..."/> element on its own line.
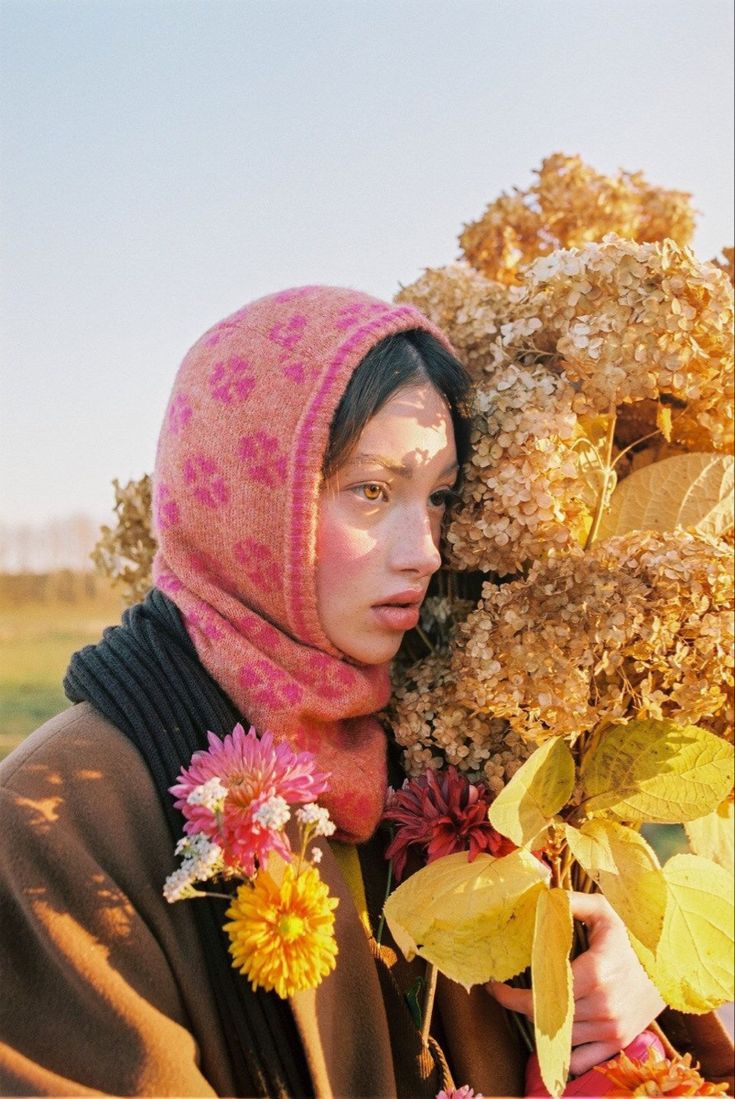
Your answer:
<point x="236" y="494"/>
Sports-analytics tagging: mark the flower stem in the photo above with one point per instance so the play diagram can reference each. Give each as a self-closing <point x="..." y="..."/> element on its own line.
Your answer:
<point x="428" y="1005"/>
<point x="523" y="1025"/>
<point x="669" y="1050"/>
<point x="381" y="921"/>
<point x="607" y="470"/>
<point x="636" y="442"/>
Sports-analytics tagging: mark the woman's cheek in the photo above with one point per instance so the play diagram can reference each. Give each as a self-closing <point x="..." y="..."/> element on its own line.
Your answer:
<point x="342" y="542"/>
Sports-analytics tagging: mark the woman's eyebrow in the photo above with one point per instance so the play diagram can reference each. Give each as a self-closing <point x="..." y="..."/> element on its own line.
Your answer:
<point x="401" y="468"/>
<point x="382" y="460"/>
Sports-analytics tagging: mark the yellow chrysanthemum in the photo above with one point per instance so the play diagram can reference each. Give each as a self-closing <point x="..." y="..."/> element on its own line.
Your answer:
<point x="282" y="935"/>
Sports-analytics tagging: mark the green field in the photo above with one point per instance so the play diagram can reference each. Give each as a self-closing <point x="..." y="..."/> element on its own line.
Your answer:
<point x="43" y="620"/>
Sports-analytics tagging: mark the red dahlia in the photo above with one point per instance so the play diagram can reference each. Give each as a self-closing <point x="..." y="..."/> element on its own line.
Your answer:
<point x="440" y="813"/>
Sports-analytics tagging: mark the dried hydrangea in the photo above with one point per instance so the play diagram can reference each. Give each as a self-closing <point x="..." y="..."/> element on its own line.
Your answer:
<point x="435" y="729"/>
<point x="523" y="494"/>
<point x="469" y="308"/>
<point x="638" y="626"/>
<point x="726" y="262"/>
<point x="568" y="205"/>
<point x="630" y="322"/>
<point x="125" y="553"/>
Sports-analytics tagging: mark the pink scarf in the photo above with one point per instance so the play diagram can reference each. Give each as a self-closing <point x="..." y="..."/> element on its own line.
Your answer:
<point x="236" y="492"/>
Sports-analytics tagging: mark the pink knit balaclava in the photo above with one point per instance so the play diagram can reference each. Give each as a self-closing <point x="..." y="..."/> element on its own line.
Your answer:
<point x="236" y="494"/>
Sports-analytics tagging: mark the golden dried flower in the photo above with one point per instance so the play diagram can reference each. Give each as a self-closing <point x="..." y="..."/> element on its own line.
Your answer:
<point x="507" y="235"/>
<point x="125" y="554"/>
<point x="638" y="626"/>
<point x="726" y="262"/>
<point x="467" y="307"/>
<point x="628" y="322"/>
<point x="523" y="493"/>
<point x="434" y="729"/>
<point x="569" y="205"/>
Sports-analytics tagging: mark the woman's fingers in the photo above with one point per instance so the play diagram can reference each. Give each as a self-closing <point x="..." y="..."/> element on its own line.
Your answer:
<point x="514" y="999"/>
<point x="611" y="989"/>
<point x="613" y="998"/>
<point x="596" y="1030"/>
<point x="593" y="1053"/>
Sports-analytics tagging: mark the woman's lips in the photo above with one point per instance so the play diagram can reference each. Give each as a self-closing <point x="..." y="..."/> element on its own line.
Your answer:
<point x="395" y="617"/>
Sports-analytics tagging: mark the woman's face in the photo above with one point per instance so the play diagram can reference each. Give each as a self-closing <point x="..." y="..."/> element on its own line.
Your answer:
<point x="380" y="516"/>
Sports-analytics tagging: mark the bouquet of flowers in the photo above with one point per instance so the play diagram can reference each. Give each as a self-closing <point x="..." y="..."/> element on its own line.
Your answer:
<point x="578" y="664"/>
<point x="237" y="798"/>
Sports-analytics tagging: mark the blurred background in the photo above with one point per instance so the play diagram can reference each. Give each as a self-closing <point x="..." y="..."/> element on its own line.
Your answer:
<point x="165" y="161"/>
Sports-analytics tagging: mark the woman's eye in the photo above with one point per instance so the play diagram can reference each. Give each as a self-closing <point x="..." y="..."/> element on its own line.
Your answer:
<point x="371" y="492"/>
<point x="442" y="498"/>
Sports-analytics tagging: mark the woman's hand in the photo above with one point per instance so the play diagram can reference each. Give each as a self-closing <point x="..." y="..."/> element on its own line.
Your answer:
<point x="613" y="998"/>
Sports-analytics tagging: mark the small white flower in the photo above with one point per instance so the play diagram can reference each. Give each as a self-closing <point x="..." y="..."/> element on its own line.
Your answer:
<point x="202" y="860"/>
<point x="316" y="856"/>
<point x="273" y="814"/>
<point x="179" y="886"/>
<point x="318" y="818"/>
<point x="196" y="846"/>
<point x="207" y="862"/>
<point x="211" y="794"/>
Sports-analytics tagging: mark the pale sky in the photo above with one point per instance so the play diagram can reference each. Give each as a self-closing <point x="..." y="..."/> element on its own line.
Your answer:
<point x="164" y="162"/>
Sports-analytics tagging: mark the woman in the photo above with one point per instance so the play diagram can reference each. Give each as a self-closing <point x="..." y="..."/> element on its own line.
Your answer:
<point x="309" y="448"/>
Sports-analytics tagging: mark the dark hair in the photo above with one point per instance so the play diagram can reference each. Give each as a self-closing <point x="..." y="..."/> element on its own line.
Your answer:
<point x="395" y="363"/>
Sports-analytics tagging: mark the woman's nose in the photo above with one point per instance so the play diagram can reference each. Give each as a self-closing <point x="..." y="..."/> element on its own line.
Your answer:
<point x="415" y="545"/>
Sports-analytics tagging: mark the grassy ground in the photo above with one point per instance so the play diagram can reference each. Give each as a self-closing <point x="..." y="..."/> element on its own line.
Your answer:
<point x="41" y="625"/>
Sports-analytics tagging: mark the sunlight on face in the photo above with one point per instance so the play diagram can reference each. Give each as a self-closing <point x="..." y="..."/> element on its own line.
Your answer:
<point x="380" y="518"/>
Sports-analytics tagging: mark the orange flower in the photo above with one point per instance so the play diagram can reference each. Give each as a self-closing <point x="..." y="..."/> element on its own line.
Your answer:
<point x="654" y="1076"/>
<point x="282" y="935"/>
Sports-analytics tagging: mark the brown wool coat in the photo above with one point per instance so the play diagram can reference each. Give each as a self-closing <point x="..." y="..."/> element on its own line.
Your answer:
<point x="103" y="984"/>
<point x="104" y="988"/>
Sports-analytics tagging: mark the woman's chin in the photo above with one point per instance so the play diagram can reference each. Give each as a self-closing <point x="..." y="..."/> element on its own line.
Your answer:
<point x="374" y="652"/>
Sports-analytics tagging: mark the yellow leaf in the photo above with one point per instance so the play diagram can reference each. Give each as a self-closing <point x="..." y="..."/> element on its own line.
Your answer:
<point x="593" y="429"/>
<point x="627" y="871"/>
<point x="712" y="836"/>
<point x="688" y="490"/>
<point x="692" y="966"/>
<point x="656" y="771"/>
<point x="473" y="920"/>
<point x="553" y="996"/>
<point x="663" y="421"/>
<point x="540" y="788"/>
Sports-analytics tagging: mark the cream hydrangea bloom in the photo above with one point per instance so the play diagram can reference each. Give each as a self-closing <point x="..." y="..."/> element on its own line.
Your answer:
<point x="568" y="205"/>
<point x="468" y="307"/>
<point x="523" y="494"/>
<point x="638" y="626"/>
<point x="435" y="728"/>
<point x="627" y="322"/>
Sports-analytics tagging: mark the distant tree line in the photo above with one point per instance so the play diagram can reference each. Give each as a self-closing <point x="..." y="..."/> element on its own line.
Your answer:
<point x="60" y="586"/>
<point x="49" y="546"/>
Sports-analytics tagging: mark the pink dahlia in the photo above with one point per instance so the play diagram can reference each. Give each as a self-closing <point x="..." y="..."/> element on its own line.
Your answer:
<point x="442" y="813"/>
<point x="252" y="770"/>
